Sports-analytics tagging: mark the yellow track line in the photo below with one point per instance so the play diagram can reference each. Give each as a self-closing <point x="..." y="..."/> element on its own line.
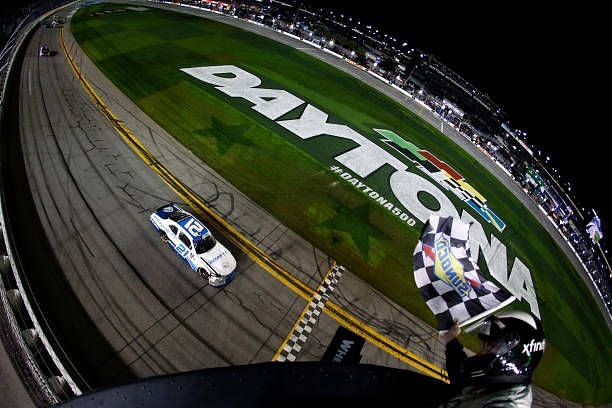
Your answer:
<point x="246" y="246"/>
<point x="282" y="346"/>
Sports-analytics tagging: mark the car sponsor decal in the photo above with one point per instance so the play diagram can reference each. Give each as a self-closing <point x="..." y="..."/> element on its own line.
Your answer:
<point x="216" y="258"/>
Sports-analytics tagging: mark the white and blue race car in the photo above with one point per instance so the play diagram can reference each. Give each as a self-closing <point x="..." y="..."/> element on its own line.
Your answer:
<point x="194" y="243"/>
<point x="44" y="51"/>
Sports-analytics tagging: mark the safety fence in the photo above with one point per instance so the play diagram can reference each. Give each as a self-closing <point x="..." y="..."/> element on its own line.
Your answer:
<point x="31" y="352"/>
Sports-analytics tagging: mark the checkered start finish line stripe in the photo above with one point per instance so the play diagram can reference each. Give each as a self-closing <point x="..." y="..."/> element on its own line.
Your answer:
<point x="304" y="327"/>
<point x="449" y="279"/>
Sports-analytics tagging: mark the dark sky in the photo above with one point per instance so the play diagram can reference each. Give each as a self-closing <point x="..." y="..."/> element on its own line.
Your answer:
<point x="544" y="66"/>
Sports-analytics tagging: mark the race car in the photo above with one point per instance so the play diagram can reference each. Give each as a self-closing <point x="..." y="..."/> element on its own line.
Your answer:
<point x="44" y="51"/>
<point x="194" y="244"/>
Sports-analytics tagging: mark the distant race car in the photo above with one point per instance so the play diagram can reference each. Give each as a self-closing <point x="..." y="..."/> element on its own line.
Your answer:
<point x="194" y="243"/>
<point x="44" y="51"/>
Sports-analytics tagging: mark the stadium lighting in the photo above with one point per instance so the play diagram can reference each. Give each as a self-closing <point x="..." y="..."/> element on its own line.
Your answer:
<point x="310" y="35"/>
<point x="352" y="53"/>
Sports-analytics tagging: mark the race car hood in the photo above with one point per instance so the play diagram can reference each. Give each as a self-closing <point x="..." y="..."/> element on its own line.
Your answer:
<point x="220" y="259"/>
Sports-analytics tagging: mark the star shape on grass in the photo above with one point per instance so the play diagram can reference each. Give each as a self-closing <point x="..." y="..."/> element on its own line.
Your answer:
<point x="355" y="223"/>
<point x="226" y="135"/>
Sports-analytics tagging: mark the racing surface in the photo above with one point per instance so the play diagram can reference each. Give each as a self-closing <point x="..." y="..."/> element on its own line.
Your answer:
<point x="153" y="315"/>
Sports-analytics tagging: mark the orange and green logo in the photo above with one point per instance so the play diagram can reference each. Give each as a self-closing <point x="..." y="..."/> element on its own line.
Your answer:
<point x="444" y="174"/>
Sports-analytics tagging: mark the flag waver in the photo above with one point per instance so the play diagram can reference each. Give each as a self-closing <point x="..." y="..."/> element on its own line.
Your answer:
<point x="449" y="279"/>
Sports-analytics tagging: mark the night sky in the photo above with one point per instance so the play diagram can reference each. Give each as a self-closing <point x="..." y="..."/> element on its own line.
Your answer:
<point x="544" y="67"/>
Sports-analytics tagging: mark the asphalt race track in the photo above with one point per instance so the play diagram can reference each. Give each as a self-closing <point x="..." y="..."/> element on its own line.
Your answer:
<point x="135" y="308"/>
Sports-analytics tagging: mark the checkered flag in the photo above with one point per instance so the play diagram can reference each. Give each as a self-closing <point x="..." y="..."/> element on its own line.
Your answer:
<point x="449" y="279"/>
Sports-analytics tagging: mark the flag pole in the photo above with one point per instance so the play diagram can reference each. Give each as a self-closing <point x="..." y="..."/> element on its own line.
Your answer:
<point x="485" y="314"/>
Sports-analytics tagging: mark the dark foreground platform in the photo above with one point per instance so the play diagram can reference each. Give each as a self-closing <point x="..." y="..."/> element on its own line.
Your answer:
<point x="274" y="384"/>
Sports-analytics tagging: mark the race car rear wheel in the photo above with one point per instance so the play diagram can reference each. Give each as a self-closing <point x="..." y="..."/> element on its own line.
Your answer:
<point x="202" y="272"/>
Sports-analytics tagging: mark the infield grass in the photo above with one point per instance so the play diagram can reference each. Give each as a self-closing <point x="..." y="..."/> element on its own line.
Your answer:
<point x="142" y="52"/>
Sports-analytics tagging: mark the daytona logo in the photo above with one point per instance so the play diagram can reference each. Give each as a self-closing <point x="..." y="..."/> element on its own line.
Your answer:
<point x="366" y="158"/>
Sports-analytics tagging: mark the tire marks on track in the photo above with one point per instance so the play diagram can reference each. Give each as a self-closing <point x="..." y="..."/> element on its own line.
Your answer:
<point x="73" y="192"/>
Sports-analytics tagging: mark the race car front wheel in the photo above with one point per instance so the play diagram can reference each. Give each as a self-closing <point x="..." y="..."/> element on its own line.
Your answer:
<point x="203" y="273"/>
<point x="163" y="237"/>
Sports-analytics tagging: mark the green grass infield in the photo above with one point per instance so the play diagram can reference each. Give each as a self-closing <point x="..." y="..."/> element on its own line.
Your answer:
<point x="142" y="52"/>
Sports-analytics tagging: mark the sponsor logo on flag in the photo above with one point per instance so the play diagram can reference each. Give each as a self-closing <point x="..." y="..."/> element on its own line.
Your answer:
<point x="448" y="268"/>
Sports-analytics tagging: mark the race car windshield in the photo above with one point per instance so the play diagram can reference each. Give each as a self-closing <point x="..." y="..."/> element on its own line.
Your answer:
<point x="177" y="216"/>
<point x="205" y="244"/>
